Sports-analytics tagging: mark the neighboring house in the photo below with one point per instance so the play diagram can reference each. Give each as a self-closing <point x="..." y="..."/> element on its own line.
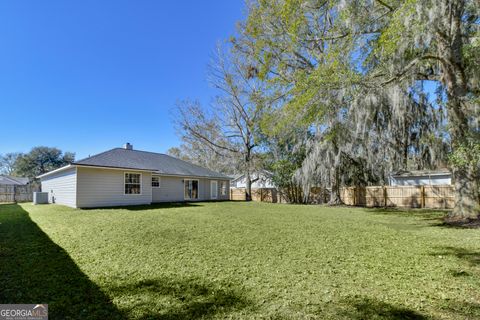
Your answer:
<point x="10" y="180"/>
<point x="411" y="178"/>
<point x="262" y="180"/>
<point x="123" y="176"/>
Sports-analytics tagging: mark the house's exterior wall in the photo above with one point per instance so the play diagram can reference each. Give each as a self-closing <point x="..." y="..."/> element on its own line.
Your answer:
<point x="421" y="180"/>
<point x="61" y="187"/>
<point x="172" y="189"/>
<point x="106" y="187"/>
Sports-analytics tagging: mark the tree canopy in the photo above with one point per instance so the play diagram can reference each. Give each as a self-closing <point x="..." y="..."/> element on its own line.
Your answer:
<point x="384" y="85"/>
<point x="41" y="160"/>
<point x="378" y="85"/>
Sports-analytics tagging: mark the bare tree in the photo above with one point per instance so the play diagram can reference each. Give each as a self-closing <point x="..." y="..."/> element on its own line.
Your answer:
<point x="7" y="162"/>
<point x="228" y="127"/>
<point x="199" y="153"/>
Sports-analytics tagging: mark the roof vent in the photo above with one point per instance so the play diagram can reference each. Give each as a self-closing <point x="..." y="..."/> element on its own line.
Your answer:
<point x="127" y="146"/>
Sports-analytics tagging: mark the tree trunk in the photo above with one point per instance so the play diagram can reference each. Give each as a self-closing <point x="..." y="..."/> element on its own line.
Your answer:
<point x="450" y="45"/>
<point x="248" y="187"/>
<point x="335" y="184"/>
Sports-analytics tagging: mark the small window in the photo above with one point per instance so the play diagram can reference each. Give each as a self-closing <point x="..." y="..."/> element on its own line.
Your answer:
<point x="155" y="182"/>
<point x="133" y="183"/>
<point x="223" y="188"/>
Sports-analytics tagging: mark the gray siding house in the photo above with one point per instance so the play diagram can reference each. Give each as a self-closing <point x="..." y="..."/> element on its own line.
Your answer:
<point x="123" y="176"/>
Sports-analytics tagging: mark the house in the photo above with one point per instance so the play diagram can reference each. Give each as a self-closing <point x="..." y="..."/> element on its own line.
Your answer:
<point x="11" y="180"/>
<point x="421" y="177"/>
<point x="124" y="176"/>
<point x="262" y="180"/>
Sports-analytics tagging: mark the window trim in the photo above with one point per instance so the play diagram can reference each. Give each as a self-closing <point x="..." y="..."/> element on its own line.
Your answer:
<point x="159" y="181"/>
<point x="125" y="182"/>
<point x="198" y="189"/>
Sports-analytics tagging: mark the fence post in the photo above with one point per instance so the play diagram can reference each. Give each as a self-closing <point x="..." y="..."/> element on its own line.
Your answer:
<point x="231" y="194"/>
<point x="14" y="193"/>
<point x="354" y="196"/>
<point x="384" y="196"/>
<point x="422" y="204"/>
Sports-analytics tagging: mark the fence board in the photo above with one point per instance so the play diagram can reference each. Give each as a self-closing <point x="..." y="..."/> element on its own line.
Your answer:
<point x="439" y="197"/>
<point x="434" y="197"/>
<point x="404" y="196"/>
<point x="11" y="193"/>
<point x="258" y="194"/>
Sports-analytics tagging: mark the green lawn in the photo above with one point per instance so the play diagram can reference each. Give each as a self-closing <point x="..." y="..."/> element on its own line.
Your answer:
<point x="238" y="260"/>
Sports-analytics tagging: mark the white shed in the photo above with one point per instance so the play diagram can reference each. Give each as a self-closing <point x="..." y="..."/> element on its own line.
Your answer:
<point x="263" y="179"/>
<point x="420" y="177"/>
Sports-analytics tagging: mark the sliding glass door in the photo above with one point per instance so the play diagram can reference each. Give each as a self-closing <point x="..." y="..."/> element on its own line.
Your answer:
<point x="191" y="189"/>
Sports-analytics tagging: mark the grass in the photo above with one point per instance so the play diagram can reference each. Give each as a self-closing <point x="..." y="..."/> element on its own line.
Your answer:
<point x="238" y="260"/>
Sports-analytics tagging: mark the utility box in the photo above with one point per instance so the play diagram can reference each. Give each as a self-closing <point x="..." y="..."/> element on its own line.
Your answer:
<point x="40" y="197"/>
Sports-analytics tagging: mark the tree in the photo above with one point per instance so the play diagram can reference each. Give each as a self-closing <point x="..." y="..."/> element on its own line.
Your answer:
<point x="286" y="152"/>
<point x="7" y="162"/>
<point x="361" y="66"/>
<point x="199" y="153"/>
<point x="228" y="128"/>
<point x="41" y="160"/>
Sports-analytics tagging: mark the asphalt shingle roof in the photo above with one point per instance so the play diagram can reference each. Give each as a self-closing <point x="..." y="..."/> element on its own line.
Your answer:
<point x="144" y="160"/>
<point x="19" y="181"/>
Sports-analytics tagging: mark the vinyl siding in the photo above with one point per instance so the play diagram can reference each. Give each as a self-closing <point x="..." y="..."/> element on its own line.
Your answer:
<point x="172" y="189"/>
<point x="61" y="187"/>
<point x="415" y="181"/>
<point x="106" y="187"/>
<point x="263" y="182"/>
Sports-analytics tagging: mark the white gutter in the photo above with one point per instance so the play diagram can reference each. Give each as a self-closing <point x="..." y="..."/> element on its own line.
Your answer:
<point x="54" y="171"/>
<point x="87" y="166"/>
<point x="155" y="172"/>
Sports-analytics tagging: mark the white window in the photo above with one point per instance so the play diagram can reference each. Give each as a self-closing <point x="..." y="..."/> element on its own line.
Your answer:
<point x="155" y="182"/>
<point x="191" y="189"/>
<point x="223" y="188"/>
<point x="133" y="183"/>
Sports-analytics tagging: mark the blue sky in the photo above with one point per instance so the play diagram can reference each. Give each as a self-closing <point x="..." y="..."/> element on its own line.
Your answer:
<point x="87" y="76"/>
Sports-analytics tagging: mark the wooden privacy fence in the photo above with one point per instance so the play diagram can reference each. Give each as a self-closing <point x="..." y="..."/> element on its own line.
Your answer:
<point x="260" y="194"/>
<point x="434" y="197"/>
<point x="14" y="193"/>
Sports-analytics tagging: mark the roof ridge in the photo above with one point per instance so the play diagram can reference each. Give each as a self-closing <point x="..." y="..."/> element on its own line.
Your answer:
<point x="95" y="155"/>
<point x="164" y="154"/>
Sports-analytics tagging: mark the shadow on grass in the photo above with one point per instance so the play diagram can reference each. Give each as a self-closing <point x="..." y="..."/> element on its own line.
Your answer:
<point x="33" y="269"/>
<point x="188" y="298"/>
<point x="153" y="206"/>
<point x="369" y="308"/>
<point x="463" y="309"/>
<point x="470" y="256"/>
<point x="425" y="214"/>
